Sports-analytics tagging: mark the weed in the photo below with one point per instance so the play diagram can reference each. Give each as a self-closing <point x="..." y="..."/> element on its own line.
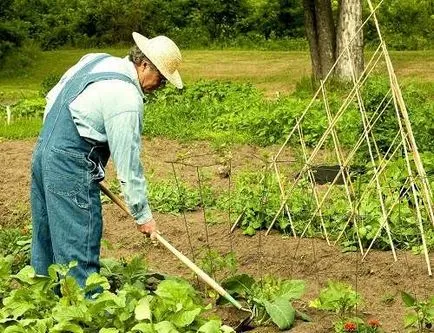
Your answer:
<point x="218" y="265"/>
<point x="421" y="315"/>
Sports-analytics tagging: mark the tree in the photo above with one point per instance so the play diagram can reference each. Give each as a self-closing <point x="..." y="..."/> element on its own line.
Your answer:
<point x="327" y="38"/>
<point x="278" y="18"/>
<point x="223" y="18"/>
<point x="347" y="35"/>
<point x="12" y="31"/>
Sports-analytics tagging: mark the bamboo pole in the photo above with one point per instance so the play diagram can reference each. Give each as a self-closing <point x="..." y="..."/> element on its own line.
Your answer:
<point x="324" y="137"/>
<point x="349" y="190"/>
<point x="238" y="220"/>
<point x="312" y="183"/>
<point x="187" y="230"/>
<point x="404" y="113"/>
<point x="381" y="167"/>
<point x="8" y="114"/>
<point x="399" y="101"/>
<point x="377" y="180"/>
<point x="282" y="194"/>
<point x="349" y="159"/>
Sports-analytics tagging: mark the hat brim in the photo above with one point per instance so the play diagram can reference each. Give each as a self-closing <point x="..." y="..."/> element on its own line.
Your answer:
<point x="143" y="44"/>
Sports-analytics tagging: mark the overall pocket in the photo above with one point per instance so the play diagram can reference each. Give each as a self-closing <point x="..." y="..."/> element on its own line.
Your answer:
<point x="67" y="175"/>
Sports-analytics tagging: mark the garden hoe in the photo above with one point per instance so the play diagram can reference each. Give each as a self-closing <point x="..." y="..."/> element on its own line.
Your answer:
<point x="205" y="277"/>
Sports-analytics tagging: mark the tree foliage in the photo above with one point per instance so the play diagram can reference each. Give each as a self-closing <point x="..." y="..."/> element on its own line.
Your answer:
<point x="192" y="23"/>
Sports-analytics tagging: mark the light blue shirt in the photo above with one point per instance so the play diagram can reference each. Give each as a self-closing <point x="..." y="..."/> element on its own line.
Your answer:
<point x="111" y="111"/>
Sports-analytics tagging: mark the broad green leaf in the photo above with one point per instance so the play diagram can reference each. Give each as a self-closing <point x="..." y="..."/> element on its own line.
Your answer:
<point x="15" y="329"/>
<point x="239" y="284"/>
<point x="185" y="318"/>
<point x="70" y="288"/>
<point x="165" y="327"/>
<point x="143" y="310"/>
<point x="143" y="328"/>
<point x="5" y="267"/>
<point x="56" y="270"/>
<point x="66" y="313"/>
<point x="175" y="290"/>
<point x="410" y="320"/>
<point x="43" y="325"/>
<point x="249" y="231"/>
<point x="407" y="299"/>
<point x="292" y="289"/>
<point x="212" y="326"/>
<point x="66" y="327"/>
<point x="281" y="312"/>
<point x="26" y="275"/>
<point x="16" y="307"/>
<point x="95" y="280"/>
<point x="337" y="296"/>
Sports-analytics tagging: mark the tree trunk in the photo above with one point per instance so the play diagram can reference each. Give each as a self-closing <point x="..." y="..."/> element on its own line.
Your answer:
<point x="320" y="32"/>
<point x="326" y="35"/>
<point x="349" y="21"/>
<point x="310" y="27"/>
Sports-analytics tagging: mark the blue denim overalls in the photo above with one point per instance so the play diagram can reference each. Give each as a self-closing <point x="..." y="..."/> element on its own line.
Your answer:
<point x="65" y="193"/>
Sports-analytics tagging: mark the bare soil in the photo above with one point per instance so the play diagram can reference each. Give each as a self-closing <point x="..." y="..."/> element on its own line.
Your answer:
<point x="379" y="278"/>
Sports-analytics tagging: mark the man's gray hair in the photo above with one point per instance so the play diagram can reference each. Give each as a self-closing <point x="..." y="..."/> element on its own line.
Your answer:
<point x="137" y="57"/>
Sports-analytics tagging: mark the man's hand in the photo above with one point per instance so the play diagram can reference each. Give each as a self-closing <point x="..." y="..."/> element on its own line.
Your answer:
<point x="149" y="228"/>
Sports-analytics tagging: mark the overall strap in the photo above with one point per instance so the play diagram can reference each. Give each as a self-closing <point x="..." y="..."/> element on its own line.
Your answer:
<point x="71" y="89"/>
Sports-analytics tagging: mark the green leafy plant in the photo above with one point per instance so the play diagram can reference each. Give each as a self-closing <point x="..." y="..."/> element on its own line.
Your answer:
<point x="216" y="264"/>
<point x="270" y="298"/>
<point x="256" y="198"/>
<point x="169" y="197"/>
<point x="134" y="272"/>
<point x="420" y="318"/>
<point x="30" y="303"/>
<point x="337" y="297"/>
<point x="342" y="300"/>
<point x="16" y="243"/>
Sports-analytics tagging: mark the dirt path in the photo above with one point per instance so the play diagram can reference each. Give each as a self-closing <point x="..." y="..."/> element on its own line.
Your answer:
<point x="378" y="279"/>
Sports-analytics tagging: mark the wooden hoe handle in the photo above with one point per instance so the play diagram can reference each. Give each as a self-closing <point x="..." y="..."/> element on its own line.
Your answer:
<point x="205" y="277"/>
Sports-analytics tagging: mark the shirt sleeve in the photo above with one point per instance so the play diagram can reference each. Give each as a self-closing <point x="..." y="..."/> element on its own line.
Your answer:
<point x="124" y="138"/>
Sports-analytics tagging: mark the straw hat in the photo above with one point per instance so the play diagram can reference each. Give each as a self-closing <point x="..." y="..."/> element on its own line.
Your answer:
<point x="164" y="54"/>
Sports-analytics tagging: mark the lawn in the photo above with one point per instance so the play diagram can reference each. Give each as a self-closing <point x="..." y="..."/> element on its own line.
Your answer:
<point x="271" y="71"/>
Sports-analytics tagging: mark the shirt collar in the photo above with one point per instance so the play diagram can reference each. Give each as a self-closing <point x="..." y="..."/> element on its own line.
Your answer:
<point x="131" y="69"/>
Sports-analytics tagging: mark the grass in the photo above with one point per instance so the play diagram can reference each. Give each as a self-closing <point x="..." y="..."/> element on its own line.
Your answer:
<point x="20" y="128"/>
<point x="273" y="72"/>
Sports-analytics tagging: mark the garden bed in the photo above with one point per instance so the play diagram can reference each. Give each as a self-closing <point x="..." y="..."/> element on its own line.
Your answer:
<point x="378" y="279"/>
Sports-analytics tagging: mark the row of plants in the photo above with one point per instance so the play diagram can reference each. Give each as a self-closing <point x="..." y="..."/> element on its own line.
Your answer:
<point x="255" y="198"/>
<point x="30" y="303"/>
<point x="225" y="112"/>
<point x="127" y="297"/>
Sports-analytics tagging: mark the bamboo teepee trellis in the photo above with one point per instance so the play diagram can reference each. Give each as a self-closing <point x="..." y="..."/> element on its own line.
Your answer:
<point x="403" y="142"/>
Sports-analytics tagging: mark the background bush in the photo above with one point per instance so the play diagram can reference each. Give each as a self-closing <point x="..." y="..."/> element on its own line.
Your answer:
<point x="267" y="24"/>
